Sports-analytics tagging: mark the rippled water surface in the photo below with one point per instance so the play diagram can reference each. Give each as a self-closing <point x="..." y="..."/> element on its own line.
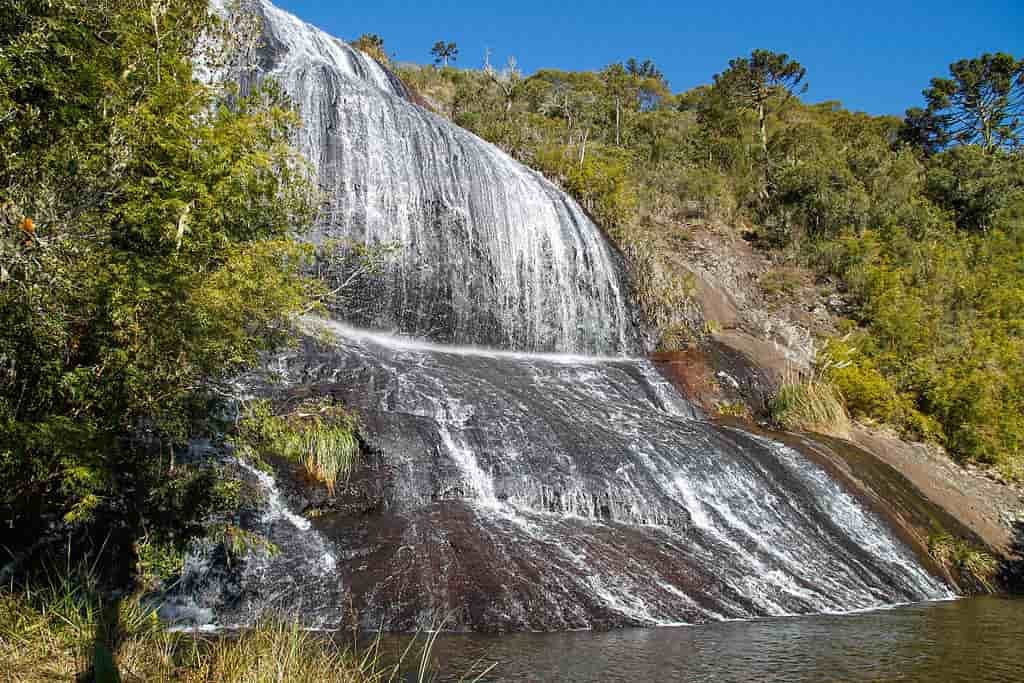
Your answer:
<point x="964" y="640"/>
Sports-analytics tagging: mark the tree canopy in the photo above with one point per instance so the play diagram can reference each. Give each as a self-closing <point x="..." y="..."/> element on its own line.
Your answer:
<point x="981" y="103"/>
<point x="444" y="52"/>
<point x="755" y="82"/>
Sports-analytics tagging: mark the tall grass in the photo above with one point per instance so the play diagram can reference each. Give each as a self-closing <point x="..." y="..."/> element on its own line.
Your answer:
<point x="807" y="402"/>
<point x="49" y="633"/>
<point x="327" y="450"/>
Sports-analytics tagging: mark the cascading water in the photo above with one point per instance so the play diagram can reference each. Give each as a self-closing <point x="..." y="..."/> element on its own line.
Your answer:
<point x="541" y="491"/>
<point x="510" y="489"/>
<point x="489" y="252"/>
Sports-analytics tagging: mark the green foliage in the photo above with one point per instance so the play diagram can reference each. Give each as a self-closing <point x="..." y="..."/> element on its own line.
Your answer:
<point x="974" y="185"/>
<point x="159" y="563"/>
<point x="780" y="282"/>
<point x="320" y="435"/>
<point x="372" y="45"/>
<point x="941" y="321"/>
<point x="147" y="231"/>
<point x="867" y="393"/>
<point x="762" y="82"/>
<point x="733" y="409"/>
<point x="600" y="180"/>
<point x="239" y="543"/>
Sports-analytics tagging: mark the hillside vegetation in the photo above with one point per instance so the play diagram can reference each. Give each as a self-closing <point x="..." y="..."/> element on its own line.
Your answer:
<point x="919" y="220"/>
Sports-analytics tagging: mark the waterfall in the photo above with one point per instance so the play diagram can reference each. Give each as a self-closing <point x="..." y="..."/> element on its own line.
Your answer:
<point x="545" y="491"/>
<point x="489" y="252"/>
<point x="525" y="469"/>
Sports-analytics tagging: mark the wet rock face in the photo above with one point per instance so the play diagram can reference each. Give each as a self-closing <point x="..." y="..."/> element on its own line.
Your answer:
<point x="489" y="252"/>
<point x="509" y="492"/>
<point x="713" y="373"/>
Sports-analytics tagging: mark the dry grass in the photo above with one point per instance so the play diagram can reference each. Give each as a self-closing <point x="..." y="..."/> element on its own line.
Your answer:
<point x="806" y="402"/>
<point x="49" y="634"/>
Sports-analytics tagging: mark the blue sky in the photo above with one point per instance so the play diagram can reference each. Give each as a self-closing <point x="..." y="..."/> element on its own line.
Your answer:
<point x="873" y="56"/>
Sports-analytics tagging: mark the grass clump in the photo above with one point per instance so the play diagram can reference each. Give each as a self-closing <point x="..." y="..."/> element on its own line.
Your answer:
<point x="810" y="403"/>
<point x="277" y="650"/>
<point x="317" y="433"/>
<point x="49" y="632"/>
<point x="732" y="409"/>
<point x="159" y="562"/>
<point x="976" y="567"/>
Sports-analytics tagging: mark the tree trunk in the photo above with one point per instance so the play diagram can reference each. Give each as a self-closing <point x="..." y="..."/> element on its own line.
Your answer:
<point x="618" y="116"/>
<point x="762" y="123"/>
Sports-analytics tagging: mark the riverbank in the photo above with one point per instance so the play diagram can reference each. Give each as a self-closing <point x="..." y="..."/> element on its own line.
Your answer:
<point x="50" y="633"/>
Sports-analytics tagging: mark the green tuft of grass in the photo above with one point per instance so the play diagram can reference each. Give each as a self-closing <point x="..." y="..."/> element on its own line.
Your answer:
<point x="320" y="435"/>
<point x="808" y="403"/>
<point x="976" y="567"/>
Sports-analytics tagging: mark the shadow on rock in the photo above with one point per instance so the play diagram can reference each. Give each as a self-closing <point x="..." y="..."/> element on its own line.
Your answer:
<point x="1013" y="568"/>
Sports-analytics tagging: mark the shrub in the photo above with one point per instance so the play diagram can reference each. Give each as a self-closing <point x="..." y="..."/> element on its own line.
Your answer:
<point x="663" y="289"/>
<point x="780" y="282"/>
<point x="866" y="391"/>
<point x="159" y="562"/>
<point x="973" y="184"/>
<point x="732" y="409"/>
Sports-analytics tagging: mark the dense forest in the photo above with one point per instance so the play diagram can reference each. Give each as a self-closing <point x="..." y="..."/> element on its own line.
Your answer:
<point x="920" y="220"/>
